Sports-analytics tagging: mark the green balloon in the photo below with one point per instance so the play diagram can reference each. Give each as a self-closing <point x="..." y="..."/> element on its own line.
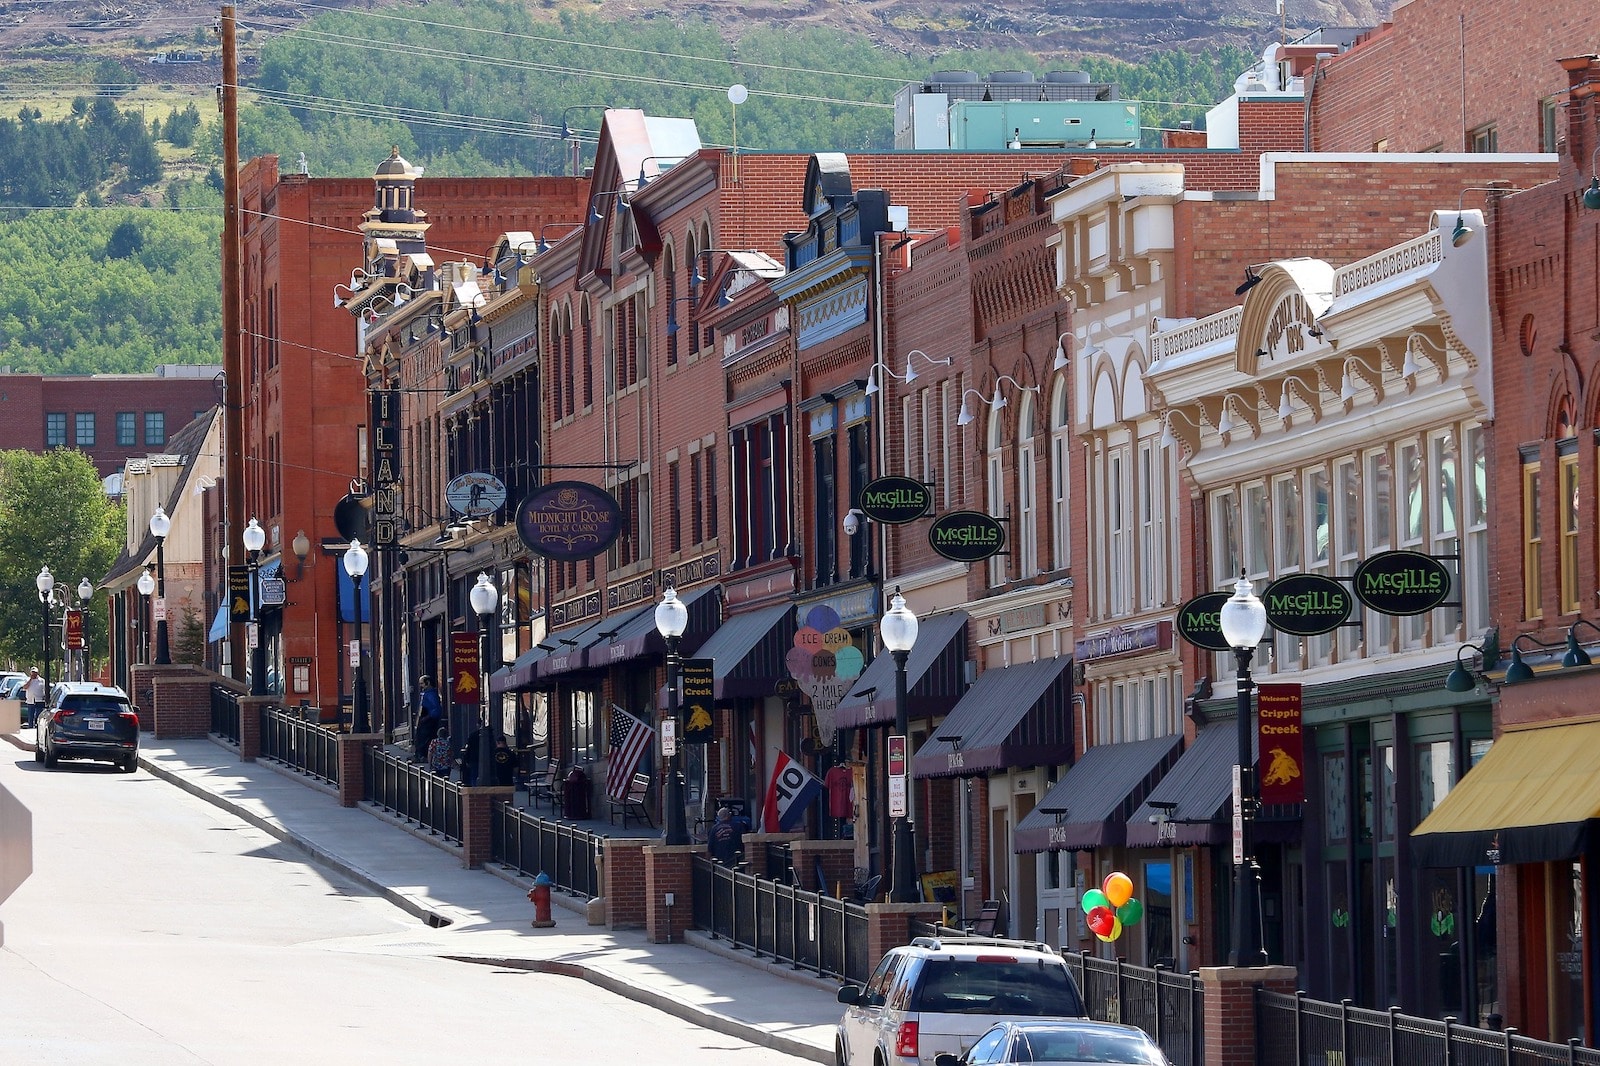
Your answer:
<point x="1130" y="912"/>
<point x="1094" y="898"/>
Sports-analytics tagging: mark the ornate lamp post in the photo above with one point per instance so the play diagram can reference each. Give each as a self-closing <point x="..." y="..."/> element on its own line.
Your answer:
<point x="146" y="585"/>
<point x="485" y="598"/>
<point x="898" y="628"/>
<point x="1244" y="622"/>
<point x="355" y="564"/>
<point x="46" y="584"/>
<point x="255" y="538"/>
<point x="85" y="594"/>
<point x="672" y="618"/>
<point x="160" y="526"/>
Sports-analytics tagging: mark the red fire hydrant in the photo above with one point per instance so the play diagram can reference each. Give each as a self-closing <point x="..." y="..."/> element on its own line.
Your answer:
<point x="539" y="896"/>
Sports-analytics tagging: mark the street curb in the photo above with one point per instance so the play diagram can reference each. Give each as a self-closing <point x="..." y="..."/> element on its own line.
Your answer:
<point x="705" y="1019"/>
<point x="726" y="950"/>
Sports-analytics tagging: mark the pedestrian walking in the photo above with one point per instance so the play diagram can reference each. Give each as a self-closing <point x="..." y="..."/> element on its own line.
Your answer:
<point x="33" y="696"/>
<point x="430" y="716"/>
<point x="441" y="756"/>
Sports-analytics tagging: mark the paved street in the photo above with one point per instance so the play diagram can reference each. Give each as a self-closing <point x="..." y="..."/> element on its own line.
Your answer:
<point x="160" y="928"/>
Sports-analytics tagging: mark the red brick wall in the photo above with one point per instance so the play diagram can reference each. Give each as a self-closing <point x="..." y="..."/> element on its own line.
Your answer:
<point x="669" y="869"/>
<point x="180" y="702"/>
<point x="1406" y="84"/>
<point x="624" y="884"/>
<point x="25" y="399"/>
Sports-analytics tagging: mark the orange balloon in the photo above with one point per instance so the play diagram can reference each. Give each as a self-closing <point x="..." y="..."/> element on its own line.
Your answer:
<point x="1118" y="888"/>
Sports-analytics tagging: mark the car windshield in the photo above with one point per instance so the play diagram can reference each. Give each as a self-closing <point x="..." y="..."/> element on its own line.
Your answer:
<point x="1017" y="988"/>
<point x="1068" y="1045"/>
<point x="82" y="704"/>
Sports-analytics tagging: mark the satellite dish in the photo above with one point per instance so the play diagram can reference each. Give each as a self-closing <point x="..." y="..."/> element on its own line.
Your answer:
<point x="737" y="94"/>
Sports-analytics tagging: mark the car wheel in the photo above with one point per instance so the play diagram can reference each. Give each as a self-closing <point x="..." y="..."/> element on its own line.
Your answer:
<point x="840" y="1056"/>
<point x="50" y="757"/>
<point x="131" y="764"/>
<point x="38" y="749"/>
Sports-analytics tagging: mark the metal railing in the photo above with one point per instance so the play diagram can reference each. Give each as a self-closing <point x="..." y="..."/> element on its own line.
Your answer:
<point x="407" y="789"/>
<point x="225" y="713"/>
<point x="306" y="746"/>
<point x="808" y="930"/>
<point x="533" y="845"/>
<point x="1164" y="1003"/>
<point x="1299" y="1031"/>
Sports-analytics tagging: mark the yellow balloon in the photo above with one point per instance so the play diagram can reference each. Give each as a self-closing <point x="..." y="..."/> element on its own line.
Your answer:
<point x="1116" y="931"/>
<point x="1118" y="888"/>
<point x="1104" y="939"/>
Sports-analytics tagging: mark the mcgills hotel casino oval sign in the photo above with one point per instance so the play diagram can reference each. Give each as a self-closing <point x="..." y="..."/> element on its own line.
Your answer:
<point x="1307" y="604"/>
<point x="569" y="520"/>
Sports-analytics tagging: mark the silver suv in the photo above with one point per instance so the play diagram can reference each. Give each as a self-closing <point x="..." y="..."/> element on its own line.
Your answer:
<point x="937" y="996"/>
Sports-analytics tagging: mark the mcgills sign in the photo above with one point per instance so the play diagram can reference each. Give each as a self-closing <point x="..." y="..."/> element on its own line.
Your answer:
<point x="1307" y="604"/>
<point x="1200" y="621"/>
<point x="1402" y="583"/>
<point x="895" y="500"/>
<point x="967" y="536"/>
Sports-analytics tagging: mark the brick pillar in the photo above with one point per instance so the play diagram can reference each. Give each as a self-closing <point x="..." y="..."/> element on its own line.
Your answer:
<point x="180" y="702"/>
<point x="624" y="883"/>
<point x="889" y="926"/>
<point x="755" y="852"/>
<point x="477" y="804"/>
<point x="353" y="765"/>
<point x="669" y="869"/>
<point x="1230" y="1007"/>
<point x="250" y="725"/>
<point x="837" y="858"/>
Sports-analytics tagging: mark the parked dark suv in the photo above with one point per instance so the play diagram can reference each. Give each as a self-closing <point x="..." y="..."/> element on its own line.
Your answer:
<point x="88" y="721"/>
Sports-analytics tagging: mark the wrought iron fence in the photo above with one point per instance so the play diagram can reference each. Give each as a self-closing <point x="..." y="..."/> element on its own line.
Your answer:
<point x="306" y="746"/>
<point x="1166" y="1004"/>
<point x="806" y="929"/>
<point x="225" y="713"/>
<point x="409" y="790"/>
<point x="1299" y="1031"/>
<point x="534" y="845"/>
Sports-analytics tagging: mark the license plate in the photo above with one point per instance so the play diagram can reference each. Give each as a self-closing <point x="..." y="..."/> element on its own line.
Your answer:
<point x="95" y="723"/>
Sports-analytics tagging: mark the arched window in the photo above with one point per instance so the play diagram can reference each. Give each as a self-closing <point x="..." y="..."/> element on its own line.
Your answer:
<point x="1025" y="526"/>
<point x="996" y="485"/>
<point x="558" y="339"/>
<point x="1060" y="477"/>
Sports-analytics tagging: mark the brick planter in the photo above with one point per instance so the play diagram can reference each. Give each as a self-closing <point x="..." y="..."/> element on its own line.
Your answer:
<point x="477" y="806"/>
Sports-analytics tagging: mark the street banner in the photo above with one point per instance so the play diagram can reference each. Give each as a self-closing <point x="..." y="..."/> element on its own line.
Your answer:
<point x="699" y="690"/>
<point x="464" y="668"/>
<point x="1280" y="743"/>
<point x="792" y="790"/>
<point x="74" y="624"/>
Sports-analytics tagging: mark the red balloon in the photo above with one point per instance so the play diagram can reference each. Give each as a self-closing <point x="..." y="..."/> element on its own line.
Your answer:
<point x="1102" y="920"/>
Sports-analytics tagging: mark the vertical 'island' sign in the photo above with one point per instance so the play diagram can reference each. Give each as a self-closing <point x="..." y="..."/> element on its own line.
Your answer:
<point x="1402" y="583"/>
<point x="1200" y="621"/>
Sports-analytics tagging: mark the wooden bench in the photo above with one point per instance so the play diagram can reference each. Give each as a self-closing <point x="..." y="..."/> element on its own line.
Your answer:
<point x="545" y="786"/>
<point x="633" y="804"/>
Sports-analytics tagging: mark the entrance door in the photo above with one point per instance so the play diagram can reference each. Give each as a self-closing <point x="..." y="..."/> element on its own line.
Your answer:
<point x="1027" y="878"/>
<point x="1000" y="862"/>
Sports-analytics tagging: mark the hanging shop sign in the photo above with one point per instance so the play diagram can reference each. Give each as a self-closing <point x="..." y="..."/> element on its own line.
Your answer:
<point x="1402" y="583"/>
<point x="569" y="520"/>
<point x="1280" y="740"/>
<point x="699" y="692"/>
<point x="895" y="500"/>
<point x="1200" y="621"/>
<point x="1307" y="604"/>
<point x="475" y="495"/>
<point x="967" y="536"/>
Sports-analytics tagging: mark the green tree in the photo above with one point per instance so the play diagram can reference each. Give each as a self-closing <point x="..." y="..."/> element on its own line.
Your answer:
<point x="126" y="240"/>
<point x="53" y="512"/>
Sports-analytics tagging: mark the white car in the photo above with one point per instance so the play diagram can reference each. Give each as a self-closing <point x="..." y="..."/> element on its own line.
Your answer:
<point x="937" y="996"/>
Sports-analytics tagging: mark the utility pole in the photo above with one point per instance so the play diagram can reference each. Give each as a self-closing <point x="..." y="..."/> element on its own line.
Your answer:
<point x="232" y="317"/>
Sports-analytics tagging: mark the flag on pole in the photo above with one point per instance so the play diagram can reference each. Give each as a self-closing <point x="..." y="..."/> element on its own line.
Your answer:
<point x="630" y="739"/>
<point x="792" y="790"/>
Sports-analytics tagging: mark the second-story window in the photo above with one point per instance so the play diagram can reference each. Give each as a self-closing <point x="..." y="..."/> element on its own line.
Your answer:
<point x="155" y="427"/>
<point x="83" y="429"/>
<point x="55" y="429"/>
<point x="127" y="429"/>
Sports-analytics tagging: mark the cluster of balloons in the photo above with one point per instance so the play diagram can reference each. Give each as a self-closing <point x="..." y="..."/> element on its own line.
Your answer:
<point x="1110" y="907"/>
<point x="825" y="663"/>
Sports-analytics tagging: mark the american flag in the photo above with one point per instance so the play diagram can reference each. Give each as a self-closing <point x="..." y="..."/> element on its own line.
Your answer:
<point x="630" y="739"/>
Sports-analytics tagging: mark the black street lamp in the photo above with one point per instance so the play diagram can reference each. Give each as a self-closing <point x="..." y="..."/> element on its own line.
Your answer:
<point x="146" y="585"/>
<point x="485" y="598"/>
<point x="255" y="538"/>
<point x="898" y="628"/>
<point x="85" y="594"/>
<point x="355" y="564"/>
<point x="46" y="584"/>
<point x="160" y="526"/>
<point x="672" y="618"/>
<point x="1243" y="621"/>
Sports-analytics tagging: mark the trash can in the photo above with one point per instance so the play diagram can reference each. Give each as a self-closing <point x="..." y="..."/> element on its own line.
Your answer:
<point x="575" y="795"/>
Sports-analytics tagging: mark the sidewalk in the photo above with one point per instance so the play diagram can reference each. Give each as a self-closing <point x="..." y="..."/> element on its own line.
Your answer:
<point x="484" y="915"/>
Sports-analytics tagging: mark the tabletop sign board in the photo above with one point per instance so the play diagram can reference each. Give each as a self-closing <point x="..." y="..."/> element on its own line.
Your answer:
<point x="1200" y="621"/>
<point x="475" y="495"/>
<point x="897" y="756"/>
<point x="1307" y="605"/>
<point x="1402" y="583"/>
<point x="895" y="500"/>
<point x="16" y="843"/>
<point x="274" y="591"/>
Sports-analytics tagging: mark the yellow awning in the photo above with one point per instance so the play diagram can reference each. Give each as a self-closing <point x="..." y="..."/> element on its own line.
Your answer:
<point x="1533" y="798"/>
